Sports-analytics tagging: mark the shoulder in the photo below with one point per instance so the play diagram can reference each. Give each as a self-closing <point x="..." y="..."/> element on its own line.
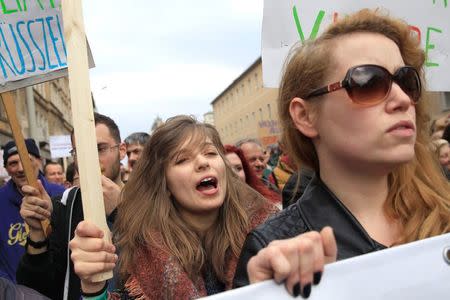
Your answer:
<point x="261" y="215"/>
<point x="7" y="188"/>
<point x="286" y="224"/>
<point x="51" y="188"/>
<point x="8" y="290"/>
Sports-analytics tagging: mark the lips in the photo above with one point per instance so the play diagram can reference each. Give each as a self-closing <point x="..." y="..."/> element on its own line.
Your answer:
<point x="402" y="125"/>
<point x="207" y="185"/>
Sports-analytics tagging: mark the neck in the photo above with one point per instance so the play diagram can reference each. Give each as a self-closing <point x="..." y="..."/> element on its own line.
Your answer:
<point x="200" y="222"/>
<point x="364" y="194"/>
<point x="361" y="193"/>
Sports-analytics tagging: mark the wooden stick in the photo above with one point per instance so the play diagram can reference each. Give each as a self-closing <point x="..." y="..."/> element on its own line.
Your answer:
<point x="10" y="108"/>
<point x="83" y="119"/>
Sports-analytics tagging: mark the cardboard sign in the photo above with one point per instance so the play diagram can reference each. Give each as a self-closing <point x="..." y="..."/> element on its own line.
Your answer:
<point x="60" y="146"/>
<point x="419" y="270"/>
<point x="32" y="43"/>
<point x="268" y="132"/>
<point x="287" y="22"/>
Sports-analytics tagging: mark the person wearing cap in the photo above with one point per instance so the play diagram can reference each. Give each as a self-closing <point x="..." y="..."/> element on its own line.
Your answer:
<point x="13" y="232"/>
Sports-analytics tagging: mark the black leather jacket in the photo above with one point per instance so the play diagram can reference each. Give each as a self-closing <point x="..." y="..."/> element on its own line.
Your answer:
<point x="317" y="208"/>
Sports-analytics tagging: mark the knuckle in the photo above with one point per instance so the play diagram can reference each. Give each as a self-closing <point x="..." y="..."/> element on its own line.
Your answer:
<point x="315" y="236"/>
<point x="305" y="246"/>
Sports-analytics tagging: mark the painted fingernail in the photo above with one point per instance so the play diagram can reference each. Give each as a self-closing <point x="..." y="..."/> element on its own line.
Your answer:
<point x="306" y="291"/>
<point x="317" y="277"/>
<point x="296" y="289"/>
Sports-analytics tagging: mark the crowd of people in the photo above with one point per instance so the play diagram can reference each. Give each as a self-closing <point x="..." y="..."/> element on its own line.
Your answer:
<point x="359" y="168"/>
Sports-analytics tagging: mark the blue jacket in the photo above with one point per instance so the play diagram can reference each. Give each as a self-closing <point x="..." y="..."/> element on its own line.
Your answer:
<point x="13" y="232"/>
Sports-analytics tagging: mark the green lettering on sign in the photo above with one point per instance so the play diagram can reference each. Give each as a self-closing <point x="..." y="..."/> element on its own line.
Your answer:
<point x="445" y="2"/>
<point x="429" y="46"/>
<point x="5" y="10"/>
<point x="315" y="28"/>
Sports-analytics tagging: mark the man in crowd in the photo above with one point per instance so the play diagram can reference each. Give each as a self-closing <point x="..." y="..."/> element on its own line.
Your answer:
<point x="45" y="263"/>
<point x="71" y="177"/>
<point x="54" y="173"/>
<point x="13" y="232"/>
<point x="254" y="153"/>
<point x="135" y="143"/>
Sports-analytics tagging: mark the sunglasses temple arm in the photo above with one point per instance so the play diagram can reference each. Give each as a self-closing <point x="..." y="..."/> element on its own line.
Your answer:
<point x="326" y="89"/>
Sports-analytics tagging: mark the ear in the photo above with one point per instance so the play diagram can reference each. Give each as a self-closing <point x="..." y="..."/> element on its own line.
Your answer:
<point x="303" y="117"/>
<point x="122" y="150"/>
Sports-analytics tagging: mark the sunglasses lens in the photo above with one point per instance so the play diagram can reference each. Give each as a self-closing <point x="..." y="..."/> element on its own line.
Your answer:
<point x="408" y="80"/>
<point x="368" y="85"/>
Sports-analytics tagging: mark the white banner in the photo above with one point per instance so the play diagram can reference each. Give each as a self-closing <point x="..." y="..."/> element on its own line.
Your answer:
<point x="289" y="21"/>
<point x="60" y="146"/>
<point x="419" y="270"/>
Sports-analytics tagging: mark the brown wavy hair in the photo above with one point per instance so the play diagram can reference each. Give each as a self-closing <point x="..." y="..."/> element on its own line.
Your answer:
<point x="148" y="213"/>
<point x="418" y="193"/>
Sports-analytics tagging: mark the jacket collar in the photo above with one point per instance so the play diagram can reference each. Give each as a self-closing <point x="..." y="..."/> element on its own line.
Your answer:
<point x="320" y="207"/>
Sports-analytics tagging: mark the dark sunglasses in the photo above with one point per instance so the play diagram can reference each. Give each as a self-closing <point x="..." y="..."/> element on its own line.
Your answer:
<point x="370" y="84"/>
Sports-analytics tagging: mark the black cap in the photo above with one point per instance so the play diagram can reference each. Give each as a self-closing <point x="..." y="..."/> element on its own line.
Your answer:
<point x="11" y="149"/>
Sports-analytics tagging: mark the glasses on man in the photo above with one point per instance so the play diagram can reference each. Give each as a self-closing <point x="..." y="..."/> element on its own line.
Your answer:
<point x="371" y="84"/>
<point x="102" y="149"/>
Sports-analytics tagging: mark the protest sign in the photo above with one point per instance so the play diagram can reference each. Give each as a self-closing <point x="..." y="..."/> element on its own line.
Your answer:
<point x="32" y="44"/>
<point x="290" y="21"/>
<point x="419" y="270"/>
<point x="268" y="132"/>
<point x="60" y="146"/>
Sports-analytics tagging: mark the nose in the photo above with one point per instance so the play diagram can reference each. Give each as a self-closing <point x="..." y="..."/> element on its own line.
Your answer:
<point x="133" y="156"/>
<point x="19" y="167"/>
<point x="201" y="162"/>
<point x="398" y="100"/>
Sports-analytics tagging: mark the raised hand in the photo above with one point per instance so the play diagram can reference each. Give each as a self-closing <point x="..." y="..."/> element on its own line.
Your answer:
<point x="111" y="194"/>
<point x="91" y="255"/>
<point x="297" y="261"/>
<point x="36" y="206"/>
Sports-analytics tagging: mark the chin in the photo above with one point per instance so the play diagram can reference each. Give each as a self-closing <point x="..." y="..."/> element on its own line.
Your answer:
<point x="401" y="157"/>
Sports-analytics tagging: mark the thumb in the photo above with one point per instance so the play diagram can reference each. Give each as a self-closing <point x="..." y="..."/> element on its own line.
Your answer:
<point x="42" y="191"/>
<point x="329" y="244"/>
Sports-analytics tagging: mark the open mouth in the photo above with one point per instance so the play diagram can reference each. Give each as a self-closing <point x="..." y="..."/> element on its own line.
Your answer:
<point x="206" y="184"/>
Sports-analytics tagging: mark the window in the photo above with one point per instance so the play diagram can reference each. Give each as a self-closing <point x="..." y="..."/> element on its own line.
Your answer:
<point x="256" y="81"/>
<point x="269" y="111"/>
<point x="260" y="114"/>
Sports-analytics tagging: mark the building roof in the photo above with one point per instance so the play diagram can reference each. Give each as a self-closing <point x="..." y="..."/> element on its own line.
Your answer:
<point x="251" y="67"/>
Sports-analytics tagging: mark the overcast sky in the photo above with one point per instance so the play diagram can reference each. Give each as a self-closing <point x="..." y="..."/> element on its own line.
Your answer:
<point x="162" y="58"/>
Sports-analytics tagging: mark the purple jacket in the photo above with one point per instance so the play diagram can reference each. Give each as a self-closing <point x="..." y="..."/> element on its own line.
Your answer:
<point x="13" y="232"/>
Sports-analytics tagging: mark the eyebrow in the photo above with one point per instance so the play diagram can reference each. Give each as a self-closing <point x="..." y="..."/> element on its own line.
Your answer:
<point x="188" y="150"/>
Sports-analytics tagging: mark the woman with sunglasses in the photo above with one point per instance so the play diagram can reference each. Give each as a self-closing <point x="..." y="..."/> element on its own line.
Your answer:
<point x="353" y="110"/>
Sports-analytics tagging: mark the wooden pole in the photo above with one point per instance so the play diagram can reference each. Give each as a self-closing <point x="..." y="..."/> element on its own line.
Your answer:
<point x="83" y="119"/>
<point x="10" y="108"/>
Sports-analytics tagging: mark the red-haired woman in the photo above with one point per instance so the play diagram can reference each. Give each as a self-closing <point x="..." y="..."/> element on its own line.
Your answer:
<point x="240" y="166"/>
